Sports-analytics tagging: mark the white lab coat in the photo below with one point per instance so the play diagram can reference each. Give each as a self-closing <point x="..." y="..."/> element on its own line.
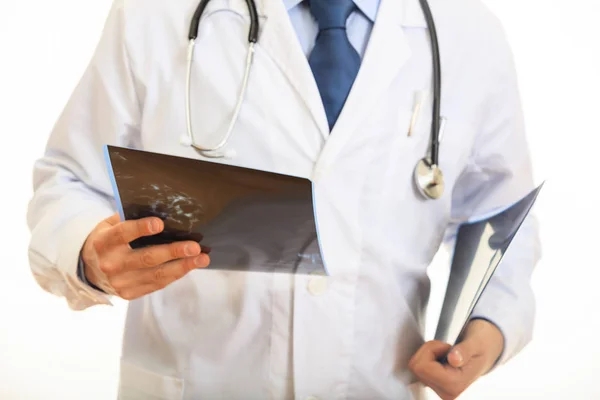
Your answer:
<point x="232" y="335"/>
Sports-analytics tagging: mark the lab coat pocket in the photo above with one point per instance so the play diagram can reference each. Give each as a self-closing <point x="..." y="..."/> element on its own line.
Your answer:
<point x="138" y="383"/>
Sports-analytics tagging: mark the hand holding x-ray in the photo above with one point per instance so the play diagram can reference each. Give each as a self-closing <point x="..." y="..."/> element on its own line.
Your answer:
<point x="112" y="265"/>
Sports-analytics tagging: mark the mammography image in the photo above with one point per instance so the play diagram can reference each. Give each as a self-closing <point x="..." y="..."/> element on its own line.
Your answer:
<point x="247" y="220"/>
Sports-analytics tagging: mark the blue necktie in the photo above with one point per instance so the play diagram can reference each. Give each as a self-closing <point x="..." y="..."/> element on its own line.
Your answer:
<point x="333" y="60"/>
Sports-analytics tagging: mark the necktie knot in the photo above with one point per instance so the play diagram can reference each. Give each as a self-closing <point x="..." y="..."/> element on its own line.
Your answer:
<point x="331" y="14"/>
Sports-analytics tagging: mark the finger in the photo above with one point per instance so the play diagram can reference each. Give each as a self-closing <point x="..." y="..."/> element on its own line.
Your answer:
<point x="462" y="353"/>
<point x="136" y="292"/>
<point x="432" y="351"/>
<point x="153" y="256"/>
<point x="436" y="350"/>
<point x="128" y="231"/>
<point x="158" y="277"/>
<point x="447" y="382"/>
<point x="113" y="219"/>
<point x="167" y="273"/>
<point x="425" y="363"/>
<point x="456" y="357"/>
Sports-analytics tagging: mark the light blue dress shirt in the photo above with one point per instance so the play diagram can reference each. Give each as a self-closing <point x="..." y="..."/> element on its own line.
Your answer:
<point x="359" y="24"/>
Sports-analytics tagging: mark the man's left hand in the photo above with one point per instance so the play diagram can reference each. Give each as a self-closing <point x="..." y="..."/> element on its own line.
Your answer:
<point x="473" y="357"/>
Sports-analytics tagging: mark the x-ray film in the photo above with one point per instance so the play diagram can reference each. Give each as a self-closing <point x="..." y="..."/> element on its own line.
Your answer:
<point x="479" y="248"/>
<point x="246" y="219"/>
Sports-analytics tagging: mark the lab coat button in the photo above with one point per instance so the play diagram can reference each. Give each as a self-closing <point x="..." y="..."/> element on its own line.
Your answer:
<point x="317" y="285"/>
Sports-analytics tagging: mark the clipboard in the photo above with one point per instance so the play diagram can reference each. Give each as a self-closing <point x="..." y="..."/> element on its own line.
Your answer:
<point x="478" y="251"/>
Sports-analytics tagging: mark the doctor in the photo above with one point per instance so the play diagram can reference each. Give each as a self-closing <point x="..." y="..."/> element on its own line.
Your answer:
<point x="339" y="92"/>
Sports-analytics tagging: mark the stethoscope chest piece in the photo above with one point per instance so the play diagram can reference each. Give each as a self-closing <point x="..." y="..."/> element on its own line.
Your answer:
<point x="429" y="179"/>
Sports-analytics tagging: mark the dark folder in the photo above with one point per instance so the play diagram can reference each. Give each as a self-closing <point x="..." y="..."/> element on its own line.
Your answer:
<point x="249" y="220"/>
<point x="479" y="248"/>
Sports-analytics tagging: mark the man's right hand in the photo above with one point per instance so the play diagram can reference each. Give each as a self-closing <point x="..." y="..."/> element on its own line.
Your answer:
<point x="113" y="266"/>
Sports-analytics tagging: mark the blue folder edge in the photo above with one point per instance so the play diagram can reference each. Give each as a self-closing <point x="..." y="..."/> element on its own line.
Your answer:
<point x="113" y="182"/>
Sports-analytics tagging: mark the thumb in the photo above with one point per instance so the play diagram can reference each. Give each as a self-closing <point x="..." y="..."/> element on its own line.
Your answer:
<point x="113" y="219"/>
<point x="460" y="354"/>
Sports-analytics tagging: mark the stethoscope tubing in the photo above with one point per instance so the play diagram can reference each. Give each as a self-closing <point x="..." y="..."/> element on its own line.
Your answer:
<point x="428" y="175"/>
<point x="437" y="84"/>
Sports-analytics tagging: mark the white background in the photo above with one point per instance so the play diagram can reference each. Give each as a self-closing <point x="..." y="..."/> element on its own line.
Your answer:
<point x="48" y="351"/>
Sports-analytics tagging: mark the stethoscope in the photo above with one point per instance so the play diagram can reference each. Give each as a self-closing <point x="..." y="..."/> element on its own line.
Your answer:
<point x="428" y="176"/>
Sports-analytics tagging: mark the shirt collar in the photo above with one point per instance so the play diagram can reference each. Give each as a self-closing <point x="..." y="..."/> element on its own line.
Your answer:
<point x="368" y="7"/>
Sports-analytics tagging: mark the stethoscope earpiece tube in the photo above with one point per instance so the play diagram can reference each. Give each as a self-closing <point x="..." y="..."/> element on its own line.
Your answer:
<point x="437" y="83"/>
<point x="216" y="151"/>
<point x="195" y="24"/>
<point x="254" y="24"/>
<point x="253" y="33"/>
<point x="428" y="175"/>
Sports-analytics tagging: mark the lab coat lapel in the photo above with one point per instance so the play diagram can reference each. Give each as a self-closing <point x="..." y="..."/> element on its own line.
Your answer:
<point x="279" y="40"/>
<point x="388" y="50"/>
